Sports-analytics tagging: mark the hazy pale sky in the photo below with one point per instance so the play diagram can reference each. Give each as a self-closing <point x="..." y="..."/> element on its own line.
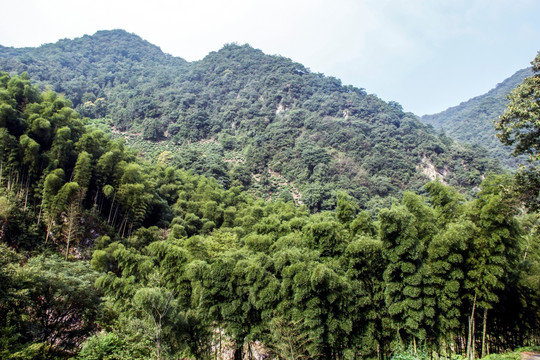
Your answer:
<point x="425" y="54"/>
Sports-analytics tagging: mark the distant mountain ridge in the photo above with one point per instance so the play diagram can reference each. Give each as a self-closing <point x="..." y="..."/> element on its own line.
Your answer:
<point x="472" y="120"/>
<point x="251" y="119"/>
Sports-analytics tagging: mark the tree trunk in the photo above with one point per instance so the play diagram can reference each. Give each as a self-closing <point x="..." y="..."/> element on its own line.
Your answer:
<point x="96" y="200"/>
<point x="39" y="214"/>
<point x="239" y="349"/>
<point x="68" y="241"/>
<point x="110" y="210"/>
<point x="115" y="214"/>
<point x="219" y="343"/>
<point x="158" y="342"/>
<point x="123" y="224"/>
<point x="26" y="196"/>
<point x="48" y="228"/>
<point x="72" y="216"/>
<point x="484" y="328"/>
<point x="470" y="339"/>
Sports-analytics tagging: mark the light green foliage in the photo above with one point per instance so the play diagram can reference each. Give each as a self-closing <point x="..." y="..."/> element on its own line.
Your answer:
<point x="30" y="150"/>
<point x="346" y="287"/>
<point x="411" y="354"/>
<point x="447" y="202"/>
<point x="107" y="346"/>
<point x="69" y="203"/>
<point x="363" y="225"/>
<point x="158" y="312"/>
<point x="288" y="340"/>
<point x="53" y="182"/>
<point x="325" y="234"/>
<point x="345" y="209"/>
<point x="151" y="294"/>
<point x="82" y="174"/>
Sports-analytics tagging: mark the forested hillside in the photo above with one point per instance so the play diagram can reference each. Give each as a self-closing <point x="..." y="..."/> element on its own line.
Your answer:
<point x="104" y="255"/>
<point x="472" y="121"/>
<point x="245" y="118"/>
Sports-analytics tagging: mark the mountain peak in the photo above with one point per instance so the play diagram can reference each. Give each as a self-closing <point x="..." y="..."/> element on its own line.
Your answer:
<point x="116" y="32"/>
<point x="117" y="41"/>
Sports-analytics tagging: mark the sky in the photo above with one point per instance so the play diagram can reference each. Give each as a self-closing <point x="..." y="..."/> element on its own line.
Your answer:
<point x="427" y="55"/>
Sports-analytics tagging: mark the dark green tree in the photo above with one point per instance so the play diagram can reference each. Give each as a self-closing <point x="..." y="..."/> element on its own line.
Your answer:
<point x="519" y="126"/>
<point x="61" y="302"/>
<point x="365" y="265"/>
<point x="405" y="231"/>
<point x="493" y="253"/>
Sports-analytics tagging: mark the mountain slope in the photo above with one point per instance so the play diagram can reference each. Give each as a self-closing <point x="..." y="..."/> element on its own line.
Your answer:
<point x="472" y="120"/>
<point x="247" y="118"/>
<point x="87" y="68"/>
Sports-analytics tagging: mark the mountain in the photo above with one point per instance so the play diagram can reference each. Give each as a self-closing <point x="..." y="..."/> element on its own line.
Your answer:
<point x="179" y="264"/>
<point x="87" y="68"/>
<point x="472" y="120"/>
<point x="247" y="118"/>
<point x="104" y="254"/>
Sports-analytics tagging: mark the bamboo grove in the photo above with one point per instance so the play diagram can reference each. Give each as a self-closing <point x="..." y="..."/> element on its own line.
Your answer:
<point x="107" y="256"/>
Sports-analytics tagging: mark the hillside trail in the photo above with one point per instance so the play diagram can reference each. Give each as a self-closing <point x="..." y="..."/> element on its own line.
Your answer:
<point x="530" y="355"/>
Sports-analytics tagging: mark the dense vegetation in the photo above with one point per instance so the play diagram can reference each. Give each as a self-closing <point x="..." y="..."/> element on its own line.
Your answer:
<point x="245" y="118"/>
<point x="472" y="120"/>
<point x="106" y="256"/>
<point x="519" y="126"/>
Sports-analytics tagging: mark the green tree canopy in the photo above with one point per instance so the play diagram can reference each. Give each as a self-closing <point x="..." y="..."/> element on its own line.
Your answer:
<point x="519" y="126"/>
